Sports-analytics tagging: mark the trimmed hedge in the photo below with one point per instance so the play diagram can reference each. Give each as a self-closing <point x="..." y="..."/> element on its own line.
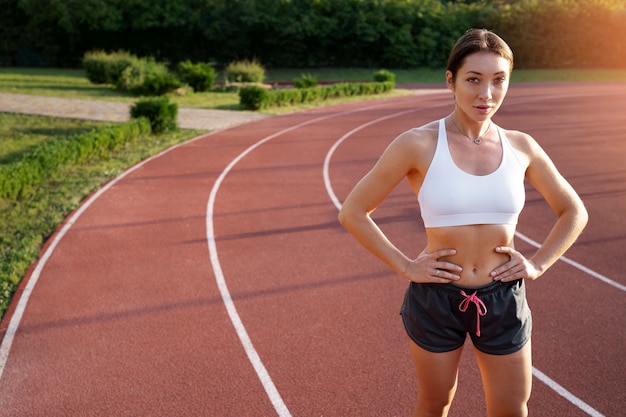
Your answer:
<point x="158" y="110"/>
<point x="257" y="98"/>
<point x="306" y="81"/>
<point x="254" y="98"/>
<point x="18" y="178"/>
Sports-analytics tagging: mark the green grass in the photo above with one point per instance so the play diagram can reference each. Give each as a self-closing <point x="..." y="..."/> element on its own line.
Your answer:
<point x="26" y="224"/>
<point x="55" y="82"/>
<point x="19" y="133"/>
<point x="72" y="83"/>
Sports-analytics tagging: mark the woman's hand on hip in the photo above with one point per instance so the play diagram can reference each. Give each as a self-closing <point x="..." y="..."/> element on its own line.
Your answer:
<point x="517" y="267"/>
<point x="428" y="268"/>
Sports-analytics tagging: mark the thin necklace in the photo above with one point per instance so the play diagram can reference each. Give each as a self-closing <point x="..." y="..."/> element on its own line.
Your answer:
<point x="478" y="139"/>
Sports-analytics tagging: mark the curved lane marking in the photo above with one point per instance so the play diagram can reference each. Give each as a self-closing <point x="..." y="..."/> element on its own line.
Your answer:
<point x="536" y="372"/>
<point x="253" y="356"/>
<point x="18" y="313"/>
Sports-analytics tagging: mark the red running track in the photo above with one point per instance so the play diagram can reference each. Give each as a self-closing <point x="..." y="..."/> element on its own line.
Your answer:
<point x="214" y="279"/>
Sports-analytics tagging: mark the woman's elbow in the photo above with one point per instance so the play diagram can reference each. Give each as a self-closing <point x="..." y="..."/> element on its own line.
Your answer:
<point x="349" y="216"/>
<point x="343" y="217"/>
<point x="577" y="215"/>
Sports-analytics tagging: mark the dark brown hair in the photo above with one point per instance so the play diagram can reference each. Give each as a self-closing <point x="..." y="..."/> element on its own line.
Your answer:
<point x="477" y="40"/>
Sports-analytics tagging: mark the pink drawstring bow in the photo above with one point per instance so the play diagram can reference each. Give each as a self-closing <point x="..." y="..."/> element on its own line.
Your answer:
<point x="481" y="309"/>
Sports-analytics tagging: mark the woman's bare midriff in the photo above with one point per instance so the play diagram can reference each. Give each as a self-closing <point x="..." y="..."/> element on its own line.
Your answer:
<point x="475" y="249"/>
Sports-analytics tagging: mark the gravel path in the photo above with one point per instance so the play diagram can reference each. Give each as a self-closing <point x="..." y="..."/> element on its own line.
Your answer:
<point x="188" y="118"/>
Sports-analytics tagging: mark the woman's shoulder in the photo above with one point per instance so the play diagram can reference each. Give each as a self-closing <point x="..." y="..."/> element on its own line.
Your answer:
<point x="527" y="147"/>
<point x="521" y="141"/>
<point x="415" y="146"/>
<point x="420" y="137"/>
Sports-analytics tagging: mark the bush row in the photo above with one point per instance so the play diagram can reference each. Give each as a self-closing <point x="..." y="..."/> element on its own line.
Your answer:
<point x="313" y="33"/>
<point x="258" y="98"/>
<point x="18" y="178"/>
<point x="144" y="76"/>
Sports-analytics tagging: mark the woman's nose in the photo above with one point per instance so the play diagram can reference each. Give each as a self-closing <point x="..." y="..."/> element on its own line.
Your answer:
<point x="485" y="92"/>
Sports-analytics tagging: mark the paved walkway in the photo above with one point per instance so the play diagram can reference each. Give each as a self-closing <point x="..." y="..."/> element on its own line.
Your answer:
<point x="188" y="118"/>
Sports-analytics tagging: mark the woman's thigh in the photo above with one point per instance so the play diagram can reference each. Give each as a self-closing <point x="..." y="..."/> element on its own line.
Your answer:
<point x="437" y="376"/>
<point x="507" y="381"/>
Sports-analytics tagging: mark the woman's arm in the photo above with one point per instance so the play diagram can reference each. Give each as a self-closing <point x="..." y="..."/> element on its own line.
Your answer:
<point x="401" y="158"/>
<point x="566" y="204"/>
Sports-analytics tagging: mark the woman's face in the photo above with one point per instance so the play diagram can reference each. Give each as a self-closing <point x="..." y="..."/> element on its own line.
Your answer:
<point x="481" y="84"/>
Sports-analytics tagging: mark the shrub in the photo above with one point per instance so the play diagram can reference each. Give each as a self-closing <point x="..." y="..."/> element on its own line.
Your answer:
<point x="157" y="81"/>
<point x="200" y="76"/>
<point x="384" y="76"/>
<point x="158" y="110"/>
<point x="245" y="72"/>
<point x="141" y="76"/>
<point x="131" y="76"/>
<point x="305" y="81"/>
<point x="147" y="77"/>
<point x="253" y="98"/>
<point x="106" y="68"/>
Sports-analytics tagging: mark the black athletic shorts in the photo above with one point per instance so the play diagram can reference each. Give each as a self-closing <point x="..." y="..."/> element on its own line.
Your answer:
<point x="439" y="316"/>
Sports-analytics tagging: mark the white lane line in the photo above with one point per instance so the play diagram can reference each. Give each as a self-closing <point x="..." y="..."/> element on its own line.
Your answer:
<point x="566" y="394"/>
<point x="329" y="155"/>
<point x="16" y="318"/>
<point x="537" y="373"/>
<point x="253" y="356"/>
<point x="575" y="264"/>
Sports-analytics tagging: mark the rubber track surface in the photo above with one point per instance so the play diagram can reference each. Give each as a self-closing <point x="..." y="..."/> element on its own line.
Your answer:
<point x="127" y="319"/>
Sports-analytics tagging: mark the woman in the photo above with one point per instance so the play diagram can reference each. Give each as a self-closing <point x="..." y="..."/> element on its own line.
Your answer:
<point x="468" y="175"/>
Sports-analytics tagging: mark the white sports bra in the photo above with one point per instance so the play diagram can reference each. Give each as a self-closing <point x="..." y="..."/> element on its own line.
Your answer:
<point x="450" y="196"/>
